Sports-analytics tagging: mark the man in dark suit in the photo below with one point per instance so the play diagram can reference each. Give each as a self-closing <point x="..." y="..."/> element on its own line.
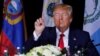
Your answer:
<point x="61" y="35"/>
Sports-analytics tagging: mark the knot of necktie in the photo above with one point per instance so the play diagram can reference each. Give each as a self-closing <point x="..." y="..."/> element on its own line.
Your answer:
<point x="62" y="35"/>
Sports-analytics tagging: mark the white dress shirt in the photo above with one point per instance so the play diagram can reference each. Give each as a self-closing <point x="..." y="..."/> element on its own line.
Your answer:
<point x="65" y="38"/>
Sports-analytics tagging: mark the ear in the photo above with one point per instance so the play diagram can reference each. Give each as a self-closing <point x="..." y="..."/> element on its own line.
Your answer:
<point x="71" y="20"/>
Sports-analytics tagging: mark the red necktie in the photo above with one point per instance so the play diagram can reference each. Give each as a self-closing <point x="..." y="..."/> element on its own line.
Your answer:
<point x="61" y="42"/>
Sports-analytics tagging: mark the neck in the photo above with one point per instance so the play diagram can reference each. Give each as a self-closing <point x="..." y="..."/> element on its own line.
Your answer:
<point x="62" y="30"/>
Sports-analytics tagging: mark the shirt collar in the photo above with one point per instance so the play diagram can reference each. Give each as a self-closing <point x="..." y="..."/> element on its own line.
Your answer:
<point x="58" y="32"/>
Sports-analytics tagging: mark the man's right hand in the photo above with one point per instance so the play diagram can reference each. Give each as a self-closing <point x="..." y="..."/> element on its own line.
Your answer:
<point x="39" y="26"/>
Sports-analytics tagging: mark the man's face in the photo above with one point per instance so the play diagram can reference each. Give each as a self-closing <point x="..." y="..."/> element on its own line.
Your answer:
<point x="62" y="18"/>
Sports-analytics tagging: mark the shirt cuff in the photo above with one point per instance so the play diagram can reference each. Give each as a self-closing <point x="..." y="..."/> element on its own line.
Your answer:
<point x="36" y="36"/>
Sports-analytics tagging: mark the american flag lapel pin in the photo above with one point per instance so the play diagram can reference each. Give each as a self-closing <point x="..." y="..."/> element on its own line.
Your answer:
<point x="74" y="39"/>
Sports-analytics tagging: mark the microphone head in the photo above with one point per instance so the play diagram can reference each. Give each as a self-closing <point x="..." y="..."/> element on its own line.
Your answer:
<point x="64" y="51"/>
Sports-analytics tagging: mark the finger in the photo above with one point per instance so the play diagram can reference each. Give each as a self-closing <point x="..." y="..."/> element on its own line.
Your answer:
<point x="36" y="24"/>
<point x="42" y="20"/>
<point x="39" y="22"/>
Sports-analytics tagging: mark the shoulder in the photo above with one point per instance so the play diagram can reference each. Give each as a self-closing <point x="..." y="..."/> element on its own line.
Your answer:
<point x="77" y="31"/>
<point x="81" y="34"/>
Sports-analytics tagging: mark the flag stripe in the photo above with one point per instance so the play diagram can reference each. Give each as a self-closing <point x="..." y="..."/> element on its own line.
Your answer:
<point x="5" y="40"/>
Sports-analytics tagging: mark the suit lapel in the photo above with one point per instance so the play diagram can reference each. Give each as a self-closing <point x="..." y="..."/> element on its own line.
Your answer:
<point x="53" y="36"/>
<point x="72" y="42"/>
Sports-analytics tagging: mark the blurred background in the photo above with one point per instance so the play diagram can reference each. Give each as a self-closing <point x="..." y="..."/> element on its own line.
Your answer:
<point x="33" y="10"/>
<point x="86" y="16"/>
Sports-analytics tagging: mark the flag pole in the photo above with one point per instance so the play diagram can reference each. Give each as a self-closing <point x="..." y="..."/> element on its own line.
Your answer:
<point x="25" y="29"/>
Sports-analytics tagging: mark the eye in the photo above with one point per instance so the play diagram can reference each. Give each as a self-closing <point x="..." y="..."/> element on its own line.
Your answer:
<point x="56" y="14"/>
<point x="65" y="14"/>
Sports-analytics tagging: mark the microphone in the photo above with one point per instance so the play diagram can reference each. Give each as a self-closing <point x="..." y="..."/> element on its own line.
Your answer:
<point x="65" y="52"/>
<point x="81" y="52"/>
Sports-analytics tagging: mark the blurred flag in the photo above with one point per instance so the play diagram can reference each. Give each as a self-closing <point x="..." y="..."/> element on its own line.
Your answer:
<point x="48" y="9"/>
<point x="92" y="21"/>
<point x="12" y="35"/>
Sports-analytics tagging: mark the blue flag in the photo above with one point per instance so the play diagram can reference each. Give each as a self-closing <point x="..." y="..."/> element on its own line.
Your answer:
<point x="92" y="21"/>
<point x="12" y="35"/>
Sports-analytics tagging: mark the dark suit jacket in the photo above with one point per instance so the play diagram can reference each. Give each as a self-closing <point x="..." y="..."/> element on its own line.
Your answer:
<point x="78" y="40"/>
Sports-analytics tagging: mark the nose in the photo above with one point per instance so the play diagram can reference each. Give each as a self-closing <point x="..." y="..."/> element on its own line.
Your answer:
<point x="60" y="17"/>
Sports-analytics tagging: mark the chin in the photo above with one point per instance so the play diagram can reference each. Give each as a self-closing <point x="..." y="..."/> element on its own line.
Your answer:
<point x="61" y="26"/>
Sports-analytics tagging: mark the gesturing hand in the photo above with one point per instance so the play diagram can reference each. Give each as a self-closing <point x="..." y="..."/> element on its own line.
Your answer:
<point x="39" y="26"/>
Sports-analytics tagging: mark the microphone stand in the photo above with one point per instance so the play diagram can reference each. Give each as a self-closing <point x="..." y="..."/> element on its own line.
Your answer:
<point x="65" y="51"/>
<point x="81" y="52"/>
